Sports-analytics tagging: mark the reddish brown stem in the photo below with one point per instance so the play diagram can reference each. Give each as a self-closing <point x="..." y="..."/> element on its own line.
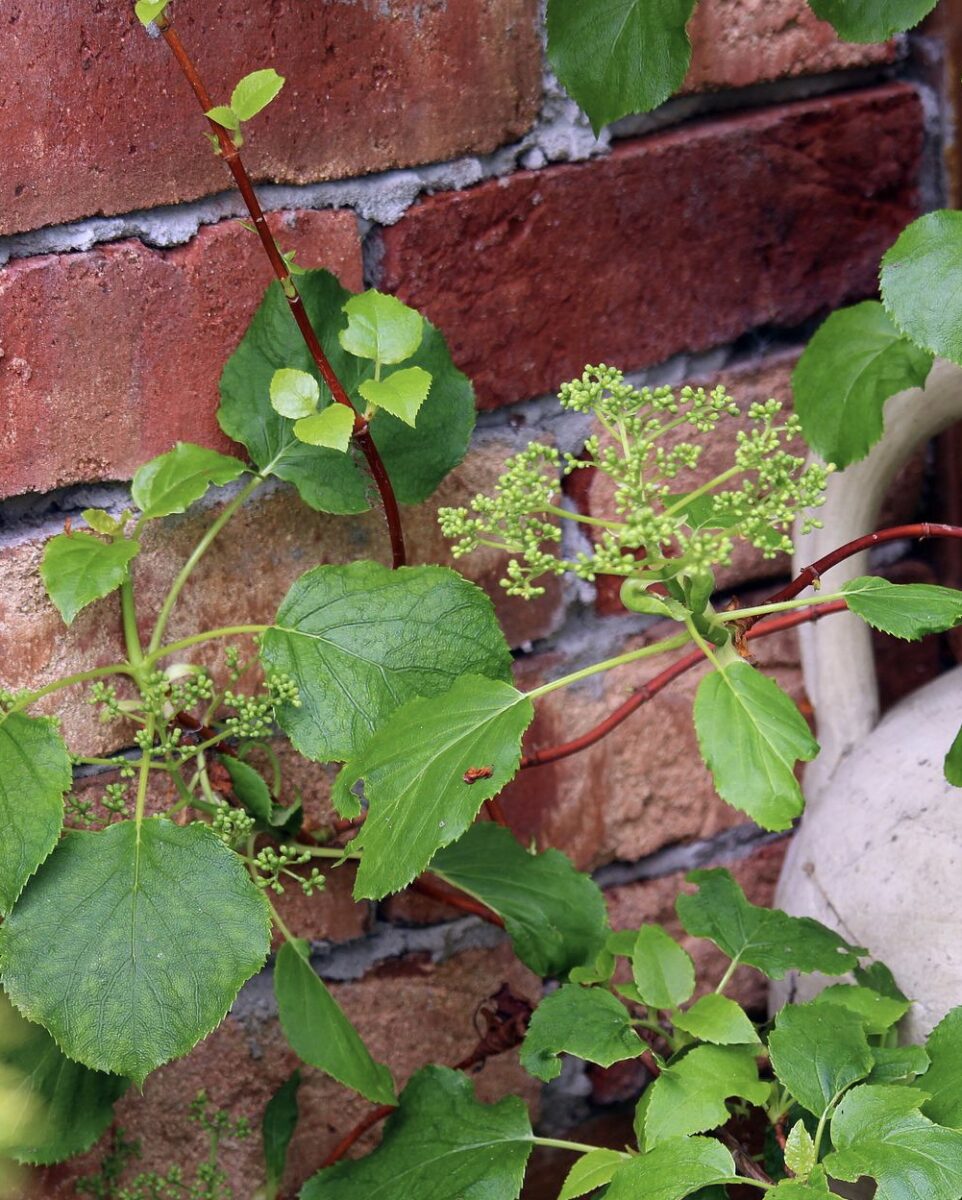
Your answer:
<point x="743" y="1160"/>
<point x="374" y="1117"/>
<point x="235" y="165"/>
<point x="495" y="811"/>
<point x="429" y="887"/>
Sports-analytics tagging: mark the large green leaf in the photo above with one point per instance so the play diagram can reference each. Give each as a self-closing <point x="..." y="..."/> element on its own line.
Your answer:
<point x="172" y="482"/>
<point x="765" y="938"/>
<point x="554" y="915"/>
<point x="877" y="1012"/>
<point x="672" y="1170"/>
<point x="871" y="20"/>
<point x="361" y="640"/>
<point x="420" y="777"/>
<point x="943" y="1080"/>
<point x="663" y="972"/>
<point x="78" y="568"/>
<point x="319" y="1032"/>
<point x="689" y="1096"/>
<point x="35" y="774"/>
<point x="718" y="1020"/>
<point x="441" y="1144"/>
<point x="878" y="1131"/>
<point x="61" y="1107"/>
<point x="818" y="1051"/>
<point x="905" y="610"/>
<point x="587" y="1022"/>
<point x="277" y="1128"/>
<point x="416" y="459"/>
<point x="922" y="283"/>
<point x="855" y="361"/>
<point x="619" y="56"/>
<point x="751" y="735"/>
<point x="130" y="945"/>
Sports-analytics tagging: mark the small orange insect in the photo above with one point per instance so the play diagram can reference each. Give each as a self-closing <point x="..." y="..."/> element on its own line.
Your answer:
<point x="473" y="774"/>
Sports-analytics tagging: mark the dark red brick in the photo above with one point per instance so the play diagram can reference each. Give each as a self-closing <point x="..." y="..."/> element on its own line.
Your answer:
<point x="679" y="241"/>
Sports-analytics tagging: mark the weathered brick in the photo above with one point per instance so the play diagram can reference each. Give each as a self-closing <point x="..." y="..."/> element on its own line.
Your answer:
<point x="98" y="119"/>
<point x="736" y="43"/>
<point x="679" y="241"/>
<point x="112" y="355"/>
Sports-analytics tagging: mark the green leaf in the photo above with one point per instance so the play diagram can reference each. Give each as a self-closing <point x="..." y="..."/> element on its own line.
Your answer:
<point x="877" y="1012"/>
<point x="441" y="1143"/>
<point x="555" y="916"/>
<point x="943" y="1080"/>
<point x="360" y="640"/>
<point x="689" y="1096"/>
<point x="871" y="20"/>
<point x="718" y="1020"/>
<point x="319" y="1032"/>
<point x="636" y="597"/>
<point x="879" y="1132"/>
<point x="418" y="777"/>
<point x="879" y="978"/>
<point x="898" y="1064"/>
<point x="295" y="393"/>
<point x="591" y="1171"/>
<point x="225" y="116"/>
<point x="254" y="92"/>
<point x="751" y="735"/>
<point x="905" y="610"/>
<point x="587" y="1022"/>
<point x="618" y="944"/>
<point x="102" y="522"/>
<point x="921" y="281"/>
<point x="765" y="938"/>
<point x="814" y="1188"/>
<point x="801" y="1156"/>
<point x="173" y="481"/>
<point x="402" y="393"/>
<point x="953" y="762"/>
<point x="855" y="361"/>
<point x="277" y="1129"/>
<point x="149" y="10"/>
<point x="663" y="972"/>
<point x="251" y="790"/>
<point x="381" y="328"/>
<point x="169" y="928"/>
<point x="78" y="569"/>
<point x="818" y="1051"/>
<point x="415" y="459"/>
<point x="332" y="428"/>
<point x="60" y="1107"/>
<point x="672" y="1170"/>
<point x="35" y="774"/>
<point x="619" y="57"/>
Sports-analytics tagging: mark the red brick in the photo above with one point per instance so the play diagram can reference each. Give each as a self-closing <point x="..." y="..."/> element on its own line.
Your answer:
<point x="112" y="355"/>
<point x="97" y="118"/>
<point x="736" y="43"/>
<point x="679" y="241"/>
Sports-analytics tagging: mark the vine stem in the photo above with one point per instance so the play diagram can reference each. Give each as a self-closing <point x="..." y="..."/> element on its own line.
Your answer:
<point x="235" y="164"/>
<point x="209" y="635"/>
<point x="70" y="681"/>
<point x="620" y="660"/>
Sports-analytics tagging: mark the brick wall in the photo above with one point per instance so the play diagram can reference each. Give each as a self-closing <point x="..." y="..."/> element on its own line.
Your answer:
<point x="418" y="148"/>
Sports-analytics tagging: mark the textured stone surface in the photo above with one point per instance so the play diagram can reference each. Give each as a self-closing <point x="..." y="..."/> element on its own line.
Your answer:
<point x="679" y="241"/>
<point x="98" y="119"/>
<point x="111" y="355"/>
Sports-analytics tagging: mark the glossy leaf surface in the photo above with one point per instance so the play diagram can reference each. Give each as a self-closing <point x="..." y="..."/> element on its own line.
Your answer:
<point x="690" y="1095"/>
<point x="672" y="1170"/>
<point x="663" y="972"/>
<point x="381" y="328"/>
<point x="587" y="1022"/>
<point x="175" y="480"/>
<point x="332" y="427"/>
<point x="78" y="569"/>
<point x="921" y="280"/>
<point x="905" y="610"/>
<point x="591" y="1171"/>
<point x="871" y="20"/>
<point x="294" y="393"/>
<point x="818" y="1051"/>
<point x="401" y="393"/>
<point x="254" y="92"/>
<point x="719" y="1020"/>
<point x="943" y="1080"/>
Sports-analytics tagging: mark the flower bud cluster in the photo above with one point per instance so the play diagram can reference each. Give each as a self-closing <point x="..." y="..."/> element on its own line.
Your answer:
<point x="273" y="862"/>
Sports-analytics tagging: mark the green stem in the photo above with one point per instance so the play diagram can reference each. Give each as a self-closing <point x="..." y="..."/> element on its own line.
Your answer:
<point x="726" y="978"/>
<point x="575" y="1147"/>
<point x="672" y="643"/>
<point x="824" y="1119"/>
<point x="557" y="511"/>
<point x="763" y="610"/>
<point x="208" y="635"/>
<point x="135" y="651"/>
<point x="144" y="775"/>
<point x="70" y="681"/>
<point x="702" y="644"/>
<point x="327" y="852"/>
<point x="642" y="1023"/>
<point x="278" y="921"/>
<point x="681" y="505"/>
<point x="199" y="551"/>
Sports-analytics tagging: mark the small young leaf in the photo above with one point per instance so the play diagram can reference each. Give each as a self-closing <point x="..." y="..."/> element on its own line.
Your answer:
<point x="225" y="116"/>
<point x="690" y="1095"/>
<point x="855" y="361"/>
<point x="637" y="598"/>
<point x="554" y="915"/>
<point x="953" y="762"/>
<point x="672" y="1170"/>
<point x="943" y="1080"/>
<point x="78" y="569"/>
<point x="277" y="1129"/>
<point x="418" y="777"/>
<point x="800" y="1153"/>
<point x="879" y="978"/>
<point x="35" y="774"/>
<point x="254" y="92"/>
<point x="172" y="482"/>
<point x="591" y="1171"/>
<point x="295" y="393"/>
<point x="381" y="328"/>
<point x="871" y="20"/>
<point x="102" y="522"/>
<point x="663" y="972"/>
<point x="922" y="283"/>
<point x="319" y="1032"/>
<point x="718" y="1020"/>
<point x="905" y="610"/>
<point x="332" y="428"/>
<point x="765" y="938"/>
<point x="587" y="1022"/>
<point x="815" y="1187"/>
<point x="440" y="1143"/>
<point x="818" y="1051"/>
<point x="149" y="10"/>
<point x="751" y="735"/>
<point x="251" y="790"/>
<point x="900" y="1064"/>
<point x="401" y="393"/>
<point x="878" y="1013"/>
